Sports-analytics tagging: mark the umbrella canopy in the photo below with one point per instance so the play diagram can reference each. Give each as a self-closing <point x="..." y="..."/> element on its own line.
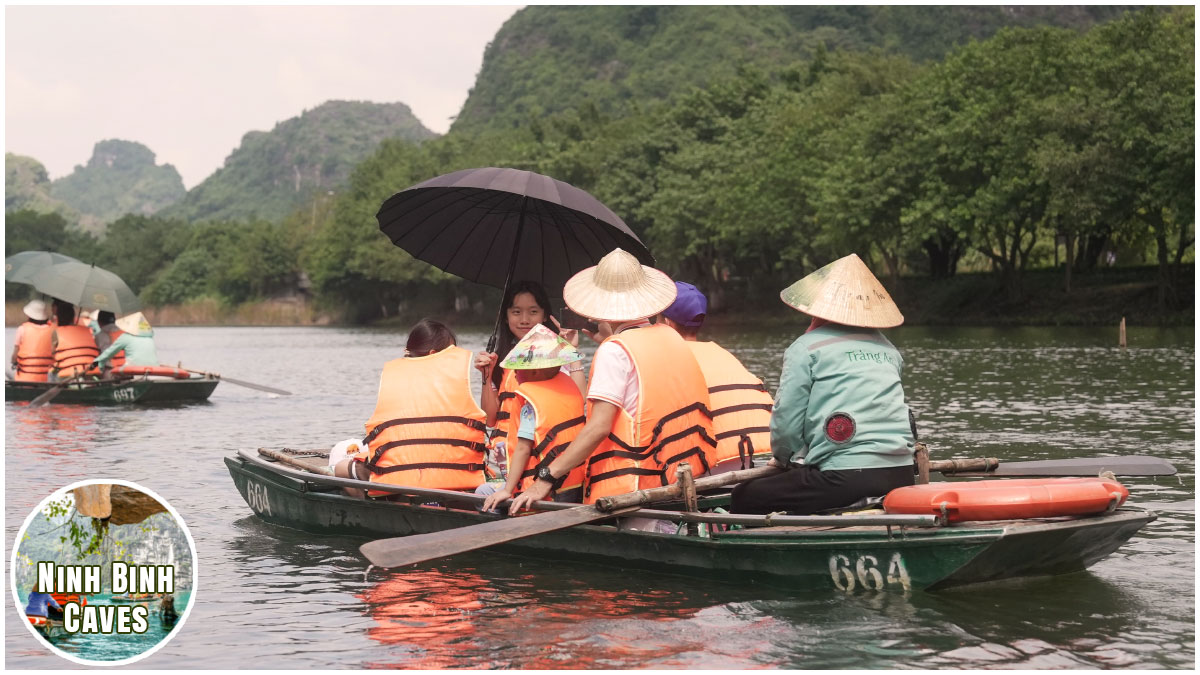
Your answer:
<point x="20" y="267"/>
<point x="493" y="225"/>
<point x="87" y="286"/>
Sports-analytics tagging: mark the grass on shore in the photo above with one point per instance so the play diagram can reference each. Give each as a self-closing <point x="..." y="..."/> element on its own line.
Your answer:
<point x="1099" y="299"/>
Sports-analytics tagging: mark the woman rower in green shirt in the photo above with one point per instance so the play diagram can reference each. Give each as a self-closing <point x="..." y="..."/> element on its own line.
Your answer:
<point x="840" y="425"/>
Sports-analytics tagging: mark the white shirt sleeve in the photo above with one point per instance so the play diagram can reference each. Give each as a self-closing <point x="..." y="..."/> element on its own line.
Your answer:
<point x="614" y="378"/>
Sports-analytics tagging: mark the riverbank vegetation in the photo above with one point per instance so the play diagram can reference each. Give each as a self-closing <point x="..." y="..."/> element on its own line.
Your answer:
<point x="1037" y="170"/>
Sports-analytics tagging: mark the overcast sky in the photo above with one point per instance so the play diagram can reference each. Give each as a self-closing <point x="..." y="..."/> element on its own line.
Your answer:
<point x="188" y="82"/>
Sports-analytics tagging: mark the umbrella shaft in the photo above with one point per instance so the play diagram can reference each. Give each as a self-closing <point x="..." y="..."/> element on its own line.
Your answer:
<point x="512" y="265"/>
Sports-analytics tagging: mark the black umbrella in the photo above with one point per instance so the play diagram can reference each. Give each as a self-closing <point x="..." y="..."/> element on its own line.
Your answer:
<point x="493" y="225"/>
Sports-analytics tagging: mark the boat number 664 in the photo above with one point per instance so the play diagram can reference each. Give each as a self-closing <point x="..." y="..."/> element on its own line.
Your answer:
<point x="868" y="572"/>
<point x="257" y="496"/>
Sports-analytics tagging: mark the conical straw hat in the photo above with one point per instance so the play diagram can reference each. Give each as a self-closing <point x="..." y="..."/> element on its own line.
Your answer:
<point x="134" y="324"/>
<point x="541" y="348"/>
<point x="619" y="288"/>
<point x="845" y="292"/>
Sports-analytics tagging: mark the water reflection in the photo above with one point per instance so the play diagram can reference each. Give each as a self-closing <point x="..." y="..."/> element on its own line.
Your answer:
<point x="53" y="430"/>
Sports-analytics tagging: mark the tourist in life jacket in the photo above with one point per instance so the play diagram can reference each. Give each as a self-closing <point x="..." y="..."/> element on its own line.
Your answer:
<point x="551" y="413"/>
<point x="109" y="332"/>
<point x="43" y="604"/>
<point x="647" y="400"/>
<point x="74" y="346"/>
<point x="135" y="338"/>
<point x="840" y="425"/>
<point x="738" y="401"/>
<point x="33" y="351"/>
<point x="427" y="430"/>
<point x="525" y="305"/>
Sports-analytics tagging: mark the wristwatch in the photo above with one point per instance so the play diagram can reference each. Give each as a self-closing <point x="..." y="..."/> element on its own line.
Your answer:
<point x="543" y="473"/>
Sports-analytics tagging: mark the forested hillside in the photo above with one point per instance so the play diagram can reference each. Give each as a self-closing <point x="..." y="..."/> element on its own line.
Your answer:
<point x="272" y="173"/>
<point x="1037" y="148"/>
<point x="548" y="59"/>
<point x="27" y="186"/>
<point x="121" y="177"/>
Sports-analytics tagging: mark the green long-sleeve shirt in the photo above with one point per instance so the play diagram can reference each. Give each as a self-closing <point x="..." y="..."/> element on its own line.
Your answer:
<point x="840" y="403"/>
<point x="139" y="350"/>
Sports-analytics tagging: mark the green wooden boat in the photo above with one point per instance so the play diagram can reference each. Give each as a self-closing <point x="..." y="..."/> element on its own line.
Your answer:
<point x="846" y="552"/>
<point x="110" y="392"/>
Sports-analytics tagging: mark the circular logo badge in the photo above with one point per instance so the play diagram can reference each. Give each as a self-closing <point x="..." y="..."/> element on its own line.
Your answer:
<point x="103" y="572"/>
<point x="839" y="428"/>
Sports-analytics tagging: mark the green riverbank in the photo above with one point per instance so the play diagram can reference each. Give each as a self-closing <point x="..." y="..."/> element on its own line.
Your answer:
<point x="1102" y="298"/>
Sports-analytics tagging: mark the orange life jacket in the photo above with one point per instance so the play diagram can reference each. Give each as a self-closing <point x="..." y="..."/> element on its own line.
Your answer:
<point x="739" y="403"/>
<point x="35" y="354"/>
<point x="507" y="417"/>
<point x="427" y="430"/>
<point x="671" y="425"/>
<point x="558" y="409"/>
<point x="117" y="359"/>
<point x="75" y="351"/>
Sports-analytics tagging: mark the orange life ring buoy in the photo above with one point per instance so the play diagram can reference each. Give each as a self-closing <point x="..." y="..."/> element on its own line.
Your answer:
<point x="37" y="620"/>
<point x="999" y="499"/>
<point x="164" y="371"/>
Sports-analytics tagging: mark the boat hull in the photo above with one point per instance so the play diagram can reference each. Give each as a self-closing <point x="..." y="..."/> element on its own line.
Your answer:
<point x="137" y="390"/>
<point x="860" y="558"/>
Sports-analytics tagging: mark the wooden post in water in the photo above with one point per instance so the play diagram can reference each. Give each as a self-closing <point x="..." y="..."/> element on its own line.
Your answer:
<point x="691" y="503"/>
<point x="1122" y="333"/>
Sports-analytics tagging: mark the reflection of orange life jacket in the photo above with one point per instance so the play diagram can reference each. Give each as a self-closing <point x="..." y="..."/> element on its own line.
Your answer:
<point x="35" y="354"/>
<point x="76" y="349"/>
<point x="671" y="424"/>
<point x="508" y="416"/>
<point x="558" y="411"/>
<point x="427" y="430"/>
<point x="740" y="404"/>
<point x="117" y="359"/>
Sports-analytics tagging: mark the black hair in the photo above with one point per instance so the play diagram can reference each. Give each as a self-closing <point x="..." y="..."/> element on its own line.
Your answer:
<point x="429" y="336"/>
<point x="105" y="318"/>
<point x="65" y="312"/>
<point x="506" y="339"/>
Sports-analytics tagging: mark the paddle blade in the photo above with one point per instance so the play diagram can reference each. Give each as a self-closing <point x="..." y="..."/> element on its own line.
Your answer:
<point x="241" y="383"/>
<point x="251" y="385"/>
<point x="1132" y="465"/>
<point x="417" y="548"/>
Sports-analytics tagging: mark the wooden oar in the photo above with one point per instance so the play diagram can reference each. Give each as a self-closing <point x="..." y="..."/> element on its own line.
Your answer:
<point x="1129" y="465"/>
<point x="241" y="383"/>
<point x="48" y="395"/>
<point x="398" y="551"/>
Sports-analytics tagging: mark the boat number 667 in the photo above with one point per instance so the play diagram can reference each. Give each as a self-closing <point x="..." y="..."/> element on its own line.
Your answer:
<point x="868" y="572"/>
<point x="257" y="496"/>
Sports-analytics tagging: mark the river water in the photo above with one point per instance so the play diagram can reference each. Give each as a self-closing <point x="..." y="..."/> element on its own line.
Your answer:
<point x="270" y="597"/>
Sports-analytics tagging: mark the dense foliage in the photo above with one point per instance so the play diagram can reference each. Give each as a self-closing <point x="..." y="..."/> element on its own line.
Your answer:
<point x="121" y="177"/>
<point x="987" y="159"/>
<point x="550" y="59"/>
<point x="27" y="187"/>
<point x="272" y="173"/>
<point x="1010" y="154"/>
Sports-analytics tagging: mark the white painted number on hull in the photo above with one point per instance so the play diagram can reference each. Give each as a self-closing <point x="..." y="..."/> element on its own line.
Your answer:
<point x="864" y="572"/>
<point x="256" y="495"/>
<point x="123" y="395"/>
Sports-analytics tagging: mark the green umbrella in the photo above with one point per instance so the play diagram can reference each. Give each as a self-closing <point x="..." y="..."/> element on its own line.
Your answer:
<point x="20" y="267"/>
<point x="86" y="286"/>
